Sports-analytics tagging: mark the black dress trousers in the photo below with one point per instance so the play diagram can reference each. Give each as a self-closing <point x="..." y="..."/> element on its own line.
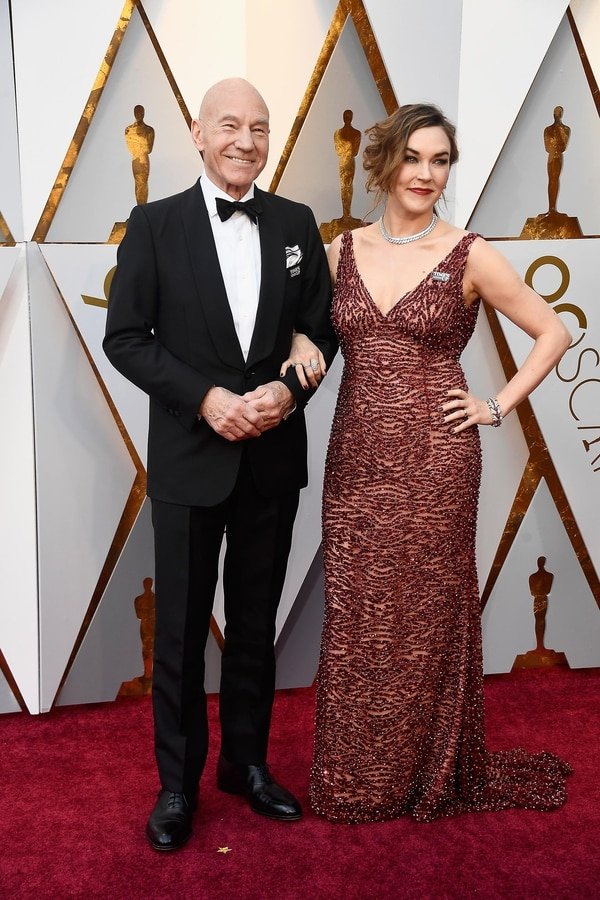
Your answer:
<point x="188" y="540"/>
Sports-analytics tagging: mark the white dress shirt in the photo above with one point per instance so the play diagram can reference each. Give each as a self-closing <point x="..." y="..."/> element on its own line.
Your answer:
<point x="238" y="249"/>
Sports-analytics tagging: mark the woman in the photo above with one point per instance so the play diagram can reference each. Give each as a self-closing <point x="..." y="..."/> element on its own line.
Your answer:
<point x="399" y="699"/>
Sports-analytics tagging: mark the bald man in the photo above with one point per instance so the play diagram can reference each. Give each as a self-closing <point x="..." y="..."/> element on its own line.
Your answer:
<point x="203" y="306"/>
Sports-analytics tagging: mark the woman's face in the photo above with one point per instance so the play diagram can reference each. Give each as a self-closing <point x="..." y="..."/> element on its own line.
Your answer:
<point x="421" y="177"/>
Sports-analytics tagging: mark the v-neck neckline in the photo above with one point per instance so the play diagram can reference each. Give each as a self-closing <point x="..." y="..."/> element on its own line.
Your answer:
<point x="413" y="289"/>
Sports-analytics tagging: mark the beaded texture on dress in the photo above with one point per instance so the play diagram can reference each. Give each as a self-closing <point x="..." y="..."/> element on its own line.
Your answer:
<point x="400" y="717"/>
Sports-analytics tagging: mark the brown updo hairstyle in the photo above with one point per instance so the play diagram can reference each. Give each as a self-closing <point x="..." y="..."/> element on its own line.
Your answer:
<point x="388" y="141"/>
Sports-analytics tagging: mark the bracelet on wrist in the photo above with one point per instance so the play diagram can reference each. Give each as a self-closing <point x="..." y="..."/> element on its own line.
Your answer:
<point x="495" y="411"/>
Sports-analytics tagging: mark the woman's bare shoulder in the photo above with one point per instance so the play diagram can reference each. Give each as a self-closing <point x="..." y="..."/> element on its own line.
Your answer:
<point x="450" y="232"/>
<point x="365" y="235"/>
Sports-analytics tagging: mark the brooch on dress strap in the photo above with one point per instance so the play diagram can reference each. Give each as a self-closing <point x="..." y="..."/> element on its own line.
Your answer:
<point x="440" y="276"/>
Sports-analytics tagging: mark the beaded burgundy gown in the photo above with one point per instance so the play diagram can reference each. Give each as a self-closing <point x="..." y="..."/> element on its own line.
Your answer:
<point x="400" y="718"/>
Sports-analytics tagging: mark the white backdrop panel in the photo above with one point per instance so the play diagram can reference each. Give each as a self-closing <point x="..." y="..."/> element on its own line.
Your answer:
<point x="84" y="475"/>
<point x="502" y="47"/>
<point x="8" y="260"/>
<point x="10" y="185"/>
<point x="504" y="453"/>
<point x="18" y="563"/>
<point x="282" y="50"/>
<point x="404" y="24"/>
<point x="81" y="271"/>
<point x="568" y="407"/>
<point x="203" y="42"/>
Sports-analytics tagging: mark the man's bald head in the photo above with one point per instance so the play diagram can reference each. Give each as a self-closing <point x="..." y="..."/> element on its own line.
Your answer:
<point x="218" y="95"/>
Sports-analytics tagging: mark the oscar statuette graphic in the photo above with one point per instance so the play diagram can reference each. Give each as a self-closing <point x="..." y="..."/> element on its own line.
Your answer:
<point x="139" y="139"/>
<point x="553" y="224"/>
<point x="346" y="141"/>
<point x="145" y="611"/>
<point x="540" y="585"/>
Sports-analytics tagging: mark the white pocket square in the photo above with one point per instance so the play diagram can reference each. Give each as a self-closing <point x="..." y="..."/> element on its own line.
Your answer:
<point x="293" y="255"/>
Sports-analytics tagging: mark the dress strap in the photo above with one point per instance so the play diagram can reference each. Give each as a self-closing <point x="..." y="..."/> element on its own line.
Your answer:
<point x="460" y="252"/>
<point x="346" y="257"/>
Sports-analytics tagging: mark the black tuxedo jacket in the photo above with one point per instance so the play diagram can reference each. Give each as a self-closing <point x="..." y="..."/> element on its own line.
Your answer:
<point x="170" y="331"/>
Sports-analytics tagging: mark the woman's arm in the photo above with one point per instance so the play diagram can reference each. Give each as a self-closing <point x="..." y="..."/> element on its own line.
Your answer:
<point x="490" y="276"/>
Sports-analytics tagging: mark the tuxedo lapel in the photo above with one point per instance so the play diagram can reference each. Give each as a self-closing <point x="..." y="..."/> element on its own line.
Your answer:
<point x="209" y="280"/>
<point x="272" y="283"/>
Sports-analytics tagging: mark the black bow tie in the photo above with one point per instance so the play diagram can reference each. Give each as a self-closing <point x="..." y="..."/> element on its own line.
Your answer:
<point x="226" y="208"/>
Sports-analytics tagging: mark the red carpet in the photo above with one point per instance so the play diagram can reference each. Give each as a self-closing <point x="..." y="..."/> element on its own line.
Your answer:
<point x="77" y="785"/>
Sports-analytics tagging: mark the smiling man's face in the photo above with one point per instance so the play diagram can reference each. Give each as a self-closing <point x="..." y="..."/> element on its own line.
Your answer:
<point x="232" y="133"/>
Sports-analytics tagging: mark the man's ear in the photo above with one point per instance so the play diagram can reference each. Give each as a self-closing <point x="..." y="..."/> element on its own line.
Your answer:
<point x="197" y="136"/>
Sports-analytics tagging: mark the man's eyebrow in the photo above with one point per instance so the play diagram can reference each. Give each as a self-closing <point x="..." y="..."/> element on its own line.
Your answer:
<point x="231" y="117"/>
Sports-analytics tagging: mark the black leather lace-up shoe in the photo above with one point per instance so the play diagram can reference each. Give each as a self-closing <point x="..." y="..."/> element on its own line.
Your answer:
<point x="256" y="783"/>
<point x="170" y="822"/>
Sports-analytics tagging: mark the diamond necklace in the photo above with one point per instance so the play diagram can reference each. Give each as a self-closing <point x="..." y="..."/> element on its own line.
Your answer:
<point x="411" y="237"/>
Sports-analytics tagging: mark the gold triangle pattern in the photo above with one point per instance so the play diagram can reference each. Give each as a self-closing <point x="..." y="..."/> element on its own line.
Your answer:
<point x="589" y="74"/>
<point x="6" y="238"/>
<point x="91" y="106"/>
<point x="4" y="668"/>
<point x="81" y="131"/>
<point x="539" y="465"/>
<point x="355" y="10"/>
<point x="595" y="94"/>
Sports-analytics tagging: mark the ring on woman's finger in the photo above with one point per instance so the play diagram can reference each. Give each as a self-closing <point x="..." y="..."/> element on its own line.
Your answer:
<point x="466" y="414"/>
<point x="314" y="364"/>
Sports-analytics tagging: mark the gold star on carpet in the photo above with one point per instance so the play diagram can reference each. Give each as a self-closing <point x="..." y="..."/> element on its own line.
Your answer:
<point x="224" y="850"/>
